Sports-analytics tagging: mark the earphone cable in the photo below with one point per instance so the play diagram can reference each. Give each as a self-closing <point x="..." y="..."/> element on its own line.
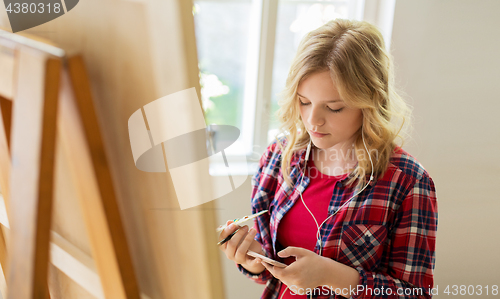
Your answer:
<point x="318" y="233"/>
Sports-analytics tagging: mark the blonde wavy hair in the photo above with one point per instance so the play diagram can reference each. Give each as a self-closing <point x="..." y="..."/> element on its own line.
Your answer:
<point x="354" y="54"/>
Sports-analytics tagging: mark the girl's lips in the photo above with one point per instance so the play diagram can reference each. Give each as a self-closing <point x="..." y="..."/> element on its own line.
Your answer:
<point x="316" y="134"/>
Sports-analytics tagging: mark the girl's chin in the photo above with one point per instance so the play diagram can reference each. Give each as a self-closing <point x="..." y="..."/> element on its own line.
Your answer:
<point x="322" y="144"/>
<point x="325" y="143"/>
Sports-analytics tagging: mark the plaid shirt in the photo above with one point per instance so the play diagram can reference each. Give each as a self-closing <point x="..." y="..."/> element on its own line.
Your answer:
<point x="387" y="232"/>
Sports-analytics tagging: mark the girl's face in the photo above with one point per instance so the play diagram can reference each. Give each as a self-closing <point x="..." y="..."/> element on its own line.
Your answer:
<point x="330" y="123"/>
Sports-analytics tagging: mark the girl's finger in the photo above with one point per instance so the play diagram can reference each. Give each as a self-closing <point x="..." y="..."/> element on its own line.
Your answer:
<point x="241" y="252"/>
<point x="227" y="231"/>
<point x="268" y="267"/>
<point x="232" y="245"/>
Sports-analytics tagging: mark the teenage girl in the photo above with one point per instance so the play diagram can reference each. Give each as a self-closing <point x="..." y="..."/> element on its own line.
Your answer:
<point x="351" y="213"/>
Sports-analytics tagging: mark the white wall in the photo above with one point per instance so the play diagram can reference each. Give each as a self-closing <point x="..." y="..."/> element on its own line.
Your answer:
<point x="447" y="58"/>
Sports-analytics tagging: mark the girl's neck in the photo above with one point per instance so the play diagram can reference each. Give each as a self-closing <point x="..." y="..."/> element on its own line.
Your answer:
<point x="334" y="161"/>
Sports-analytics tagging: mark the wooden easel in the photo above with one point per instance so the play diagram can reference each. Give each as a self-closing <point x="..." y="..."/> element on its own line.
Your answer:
<point x="39" y="101"/>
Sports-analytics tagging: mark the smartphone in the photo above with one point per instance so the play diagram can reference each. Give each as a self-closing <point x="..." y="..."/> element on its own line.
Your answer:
<point x="266" y="259"/>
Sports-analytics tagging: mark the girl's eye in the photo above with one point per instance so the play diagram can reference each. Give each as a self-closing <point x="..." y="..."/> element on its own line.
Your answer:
<point x="332" y="110"/>
<point x="335" y="111"/>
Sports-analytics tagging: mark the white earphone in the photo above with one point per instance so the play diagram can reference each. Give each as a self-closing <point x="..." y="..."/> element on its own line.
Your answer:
<point x="318" y="235"/>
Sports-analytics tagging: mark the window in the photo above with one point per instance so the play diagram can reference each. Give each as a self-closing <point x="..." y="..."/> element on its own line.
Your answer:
<point x="245" y="48"/>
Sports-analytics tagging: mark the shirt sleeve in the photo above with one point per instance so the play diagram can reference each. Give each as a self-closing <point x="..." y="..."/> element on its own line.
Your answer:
<point x="412" y="257"/>
<point x="264" y="184"/>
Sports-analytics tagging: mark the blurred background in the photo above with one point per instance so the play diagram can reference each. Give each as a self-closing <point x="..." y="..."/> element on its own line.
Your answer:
<point x="237" y="54"/>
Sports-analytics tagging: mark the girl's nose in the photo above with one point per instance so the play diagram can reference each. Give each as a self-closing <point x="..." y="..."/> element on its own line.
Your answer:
<point x="315" y="118"/>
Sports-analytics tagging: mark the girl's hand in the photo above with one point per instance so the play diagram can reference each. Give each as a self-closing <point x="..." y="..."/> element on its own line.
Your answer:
<point x="308" y="271"/>
<point x="236" y="248"/>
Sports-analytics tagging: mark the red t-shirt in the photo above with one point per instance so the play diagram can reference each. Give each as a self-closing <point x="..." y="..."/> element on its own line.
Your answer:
<point x="297" y="227"/>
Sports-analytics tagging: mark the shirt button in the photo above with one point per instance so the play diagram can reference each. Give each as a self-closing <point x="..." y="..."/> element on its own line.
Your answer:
<point x="339" y="184"/>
